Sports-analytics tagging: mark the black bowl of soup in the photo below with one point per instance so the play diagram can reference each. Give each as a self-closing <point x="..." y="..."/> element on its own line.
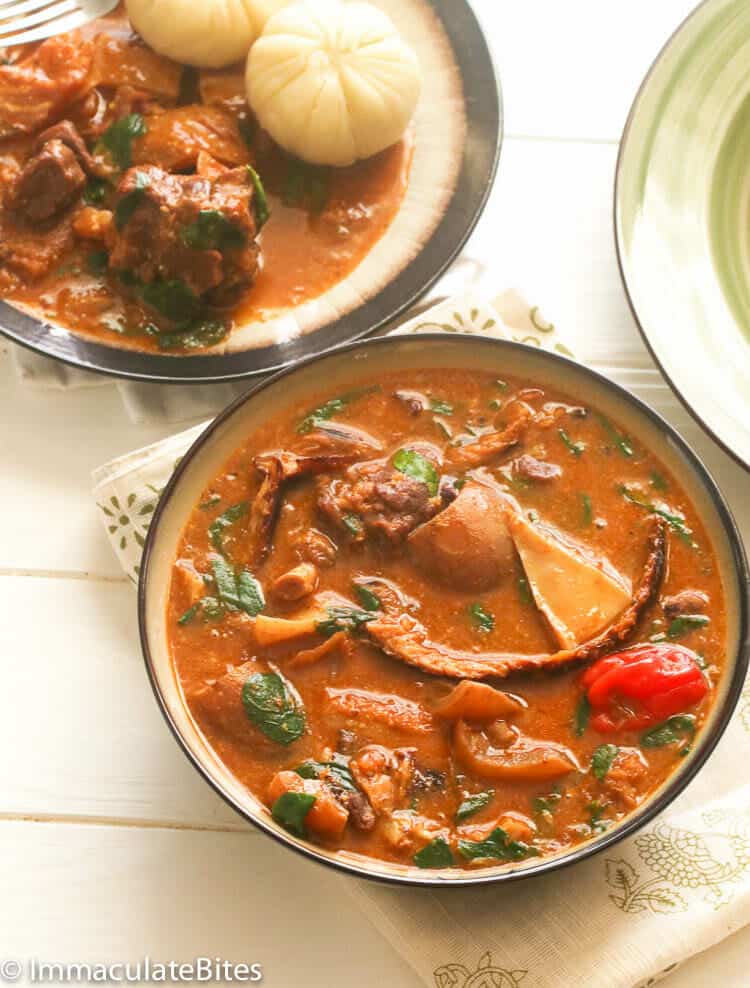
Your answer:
<point x="444" y="610"/>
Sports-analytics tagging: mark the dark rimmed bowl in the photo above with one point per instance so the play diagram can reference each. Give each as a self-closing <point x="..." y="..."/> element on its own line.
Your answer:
<point x="340" y="369"/>
<point x="473" y="173"/>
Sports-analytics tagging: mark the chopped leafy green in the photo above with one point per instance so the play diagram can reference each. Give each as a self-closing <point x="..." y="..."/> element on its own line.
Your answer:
<point x="502" y="385"/>
<point x="95" y="192"/>
<point x="687" y="622"/>
<point x="198" y="336"/>
<point x="673" y="729"/>
<point x="97" y="262"/>
<point x="482" y="620"/>
<point x="211" y="501"/>
<point x="219" y="525"/>
<point x="576" y="448"/>
<point x="587" y="511"/>
<point x="659" y="482"/>
<point x="131" y="200"/>
<point x="250" y="593"/>
<point x="601" y="760"/>
<point x="237" y="591"/>
<point x="441" y="407"/>
<point x="596" y="812"/>
<point x="353" y="524"/>
<point x="343" y="619"/>
<point x="211" y="608"/>
<point x="676" y="522"/>
<point x="493" y="404"/>
<point x="335" y="772"/>
<point x="211" y="230"/>
<point x="473" y="804"/>
<point x="622" y="442"/>
<point x="581" y="717"/>
<point x="290" y="810"/>
<point x="332" y="407"/>
<point x="306" y="185"/>
<point x="497" y="845"/>
<point x="546" y="804"/>
<point x="118" y="138"/>
<point x="414" y="465"/>
<point x="369" y="600"/>
<point x="273" y="707"/>
<point x="524" y="591"/>
<point x="436" y="854"/>
<point x="172" y="299"/>
<point x="189" y="614"/>
<point x="260" y="201"/>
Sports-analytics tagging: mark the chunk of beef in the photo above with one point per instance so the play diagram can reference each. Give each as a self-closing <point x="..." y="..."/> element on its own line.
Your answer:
<point x="375" y="498"/>
<point x="34" y="90"/>
<point x="26" y="255"/>
<point x="50" y="181"/>
<point x="685" y="602"/>
<point x="313" y="546"/>
<point x="174" y="139"/>
<point x="67" y="133"/>
<point x="529" y="468"/>
<point x="384" y="775"/>
<point x="158" y="240"/>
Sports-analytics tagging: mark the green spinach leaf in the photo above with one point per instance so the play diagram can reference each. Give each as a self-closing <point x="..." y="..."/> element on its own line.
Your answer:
<point x="237" y="591"/>
<point x="198" y="336"/>
<point x="436" y="854"/>
<point x="343" y="619"/>
<point x="676" y="522"/>
<point x="173" y="300"/>
<point x="621" y="442"/>
<point x="290" y="810"/>
<point x="211" y="608"/>
<point x="675" y="728"/>
<point x="369" y="600"/>
<point x="576" y="448"/>
<point x="211" y="230"/>
<point x="95" y="192"/>
<point x="473" y="804"/>
<point x="601" y="760"/>
<point x="582" y="714"/>
<point x="332" y="407"/>
<point x="217" y="528"/>
<point x="413" y="464"/>
<point x="335" y="772"/>
<point x="273" y="707"/>
<point x="497" y="845"/>
<point x="118" y="138"/>
<point x="441" y="407"/>
<point x="131" y="200"/>
<point x="260" y="200"/>
<point x="685" y="623"/>
<point x="483" y="621"/>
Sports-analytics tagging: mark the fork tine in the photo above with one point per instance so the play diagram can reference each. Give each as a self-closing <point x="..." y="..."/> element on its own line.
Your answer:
<point x="68" y="23"/>
<point x="40" y="17"/>
<point x="14" y="8"/>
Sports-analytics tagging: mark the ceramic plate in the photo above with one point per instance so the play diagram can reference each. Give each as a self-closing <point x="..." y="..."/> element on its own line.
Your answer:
<point x="458" y="132"/>
<point x="682" y="217"/>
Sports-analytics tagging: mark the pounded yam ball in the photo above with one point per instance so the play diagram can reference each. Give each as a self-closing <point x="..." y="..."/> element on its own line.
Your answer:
<point x="332" y="82"/>
<point x="206" y="33"/>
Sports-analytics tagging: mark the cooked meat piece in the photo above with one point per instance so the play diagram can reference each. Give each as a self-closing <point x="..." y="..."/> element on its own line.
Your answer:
<point x="223" y="88"/>
<point x="466" y="546"/>
<point x="530" y="468"/>
<point x="51" y="180"/>
<point x="67" y="133"/>
<point x="313" y="546"/>
<point x="34" y="90"/>
<point x="296" y="583"/>
<point x="373" y="498"/>
<point x="403" y="637"/>
<point x="28" y="254"/>
<point x="627" y="775"/>
<point x="427" y="780"/>
<point x="361" y="813"/>
<point x="327" y="817"/>
<point x="384" y="775"/>
<point x="415" y="401"/>
<point x="367" y="706"/>
<point x="339" y="642"/>
<point x="330" y="438"/>
<point x="577" y="591"/>
<point x="684" y="602"/>
<point x="518" y="758"/>
<point x="174" y="138"/>
<point x="190" y="579"/>
<point x="516" y="825"/>
<point x="478" y="702"/>
<point x="90" y="223"/>
<point x="406" y="831"/>
<point x="491" y="445"/>
<point x="128" y="62"/>
<point x="160" y="237"/>
<point x="221" y="704"/>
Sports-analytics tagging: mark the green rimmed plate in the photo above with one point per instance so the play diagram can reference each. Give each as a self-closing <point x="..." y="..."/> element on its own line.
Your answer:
<point x="682" y="217"/>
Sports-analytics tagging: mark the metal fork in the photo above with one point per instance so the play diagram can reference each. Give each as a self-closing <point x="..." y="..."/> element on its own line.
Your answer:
<point x="22" y="21"/>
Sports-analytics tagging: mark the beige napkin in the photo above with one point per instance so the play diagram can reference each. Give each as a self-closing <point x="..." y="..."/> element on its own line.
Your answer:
<point x="623" y="918"/>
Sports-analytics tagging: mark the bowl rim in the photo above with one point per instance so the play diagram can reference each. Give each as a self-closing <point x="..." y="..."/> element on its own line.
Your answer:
<point x="471" y="46"/>
<point x="619" y="238"/>
<point x="708" y="739"/>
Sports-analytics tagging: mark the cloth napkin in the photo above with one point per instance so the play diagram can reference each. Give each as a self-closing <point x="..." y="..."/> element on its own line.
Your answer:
<point x="624" y="918"/>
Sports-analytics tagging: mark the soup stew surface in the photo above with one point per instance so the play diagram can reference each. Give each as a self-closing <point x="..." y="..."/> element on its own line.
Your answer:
<point x="447" y="620"/>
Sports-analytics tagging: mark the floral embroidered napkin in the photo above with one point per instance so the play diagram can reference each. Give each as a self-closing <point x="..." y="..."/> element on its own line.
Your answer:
<point x="624" y="918"/>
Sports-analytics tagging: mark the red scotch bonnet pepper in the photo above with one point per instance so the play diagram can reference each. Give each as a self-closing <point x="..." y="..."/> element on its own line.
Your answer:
<point x="639" y="686"/>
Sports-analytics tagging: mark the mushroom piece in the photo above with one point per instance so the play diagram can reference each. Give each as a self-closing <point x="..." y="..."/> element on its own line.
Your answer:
<point x="467" y="545"/>
<point x="403" y="637"/>
<point x="523" y="760"/>
<point x="477" y="702"/>
<point x="296" y="583"/>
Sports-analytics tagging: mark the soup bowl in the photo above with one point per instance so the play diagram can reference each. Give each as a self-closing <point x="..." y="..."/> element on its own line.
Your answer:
<point x="338" y="368"/>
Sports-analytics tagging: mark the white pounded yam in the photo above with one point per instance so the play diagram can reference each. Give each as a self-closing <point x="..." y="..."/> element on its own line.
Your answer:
<point x="332" y="82"/>
<point x="207" y="33"/>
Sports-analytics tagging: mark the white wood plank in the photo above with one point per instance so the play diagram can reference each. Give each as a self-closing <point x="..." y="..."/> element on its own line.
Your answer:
<point x="105" y="894"/>
<point x="571" y="70"/>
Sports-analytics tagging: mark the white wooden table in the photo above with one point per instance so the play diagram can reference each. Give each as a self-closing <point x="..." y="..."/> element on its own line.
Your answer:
<point x="111" y="846"/>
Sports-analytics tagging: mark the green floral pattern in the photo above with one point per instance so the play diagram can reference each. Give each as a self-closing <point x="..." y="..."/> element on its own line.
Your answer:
<point x="709" y="861"/>
<point x="486" y="975"/>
